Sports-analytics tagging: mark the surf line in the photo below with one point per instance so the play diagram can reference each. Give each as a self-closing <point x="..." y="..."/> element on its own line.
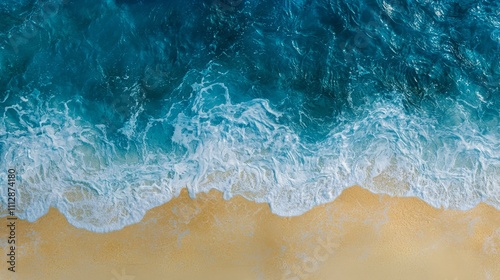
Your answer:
<point x="11" y="219"/>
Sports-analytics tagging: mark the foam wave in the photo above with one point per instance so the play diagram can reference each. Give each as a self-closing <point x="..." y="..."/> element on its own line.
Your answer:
<point x="243" y="149"/>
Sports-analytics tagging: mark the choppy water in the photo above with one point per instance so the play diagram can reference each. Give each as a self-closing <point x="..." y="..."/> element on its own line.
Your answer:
<point x="109" y="108"/>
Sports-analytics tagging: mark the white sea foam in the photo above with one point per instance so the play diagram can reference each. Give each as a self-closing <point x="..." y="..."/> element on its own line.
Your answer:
<point x="242" y="149"/>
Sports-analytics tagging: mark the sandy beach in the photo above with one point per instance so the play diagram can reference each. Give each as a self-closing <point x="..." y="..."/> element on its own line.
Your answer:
<point x="360" y="235"/>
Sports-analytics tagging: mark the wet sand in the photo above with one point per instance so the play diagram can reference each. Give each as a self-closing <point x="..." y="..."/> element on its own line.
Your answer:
<point x="360" y="235"/>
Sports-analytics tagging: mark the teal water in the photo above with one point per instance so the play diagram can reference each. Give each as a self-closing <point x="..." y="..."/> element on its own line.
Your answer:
<point x="110" y="108"/>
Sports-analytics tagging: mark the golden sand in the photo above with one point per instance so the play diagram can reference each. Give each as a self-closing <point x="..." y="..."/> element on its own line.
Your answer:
<point x="360" y="235"/>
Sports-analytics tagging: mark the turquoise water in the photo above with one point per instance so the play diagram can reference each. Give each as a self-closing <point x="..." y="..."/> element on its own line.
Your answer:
<point x="112" y="107"/>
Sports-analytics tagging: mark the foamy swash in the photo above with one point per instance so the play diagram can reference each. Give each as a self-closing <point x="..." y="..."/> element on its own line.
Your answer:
<point x="111" y="108"/>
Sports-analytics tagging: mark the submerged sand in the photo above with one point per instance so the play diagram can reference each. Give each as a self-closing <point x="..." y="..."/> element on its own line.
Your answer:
<point x="360" y="235"/>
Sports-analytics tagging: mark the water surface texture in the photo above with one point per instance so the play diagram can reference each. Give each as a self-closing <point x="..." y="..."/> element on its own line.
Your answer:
<point x="110" y="108"/>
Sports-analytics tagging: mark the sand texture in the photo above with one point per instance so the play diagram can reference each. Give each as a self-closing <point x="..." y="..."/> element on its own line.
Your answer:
<point x="360" y="235"/>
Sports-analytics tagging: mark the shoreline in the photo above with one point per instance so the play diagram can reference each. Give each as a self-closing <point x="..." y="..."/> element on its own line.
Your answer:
<point x="360" y="235"/>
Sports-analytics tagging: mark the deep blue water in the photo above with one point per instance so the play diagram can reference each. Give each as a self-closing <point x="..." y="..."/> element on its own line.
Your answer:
<point x="121" y="104"/>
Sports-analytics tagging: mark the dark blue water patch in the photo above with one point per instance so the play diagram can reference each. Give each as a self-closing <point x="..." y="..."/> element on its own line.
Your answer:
<point x="317" y="49"/>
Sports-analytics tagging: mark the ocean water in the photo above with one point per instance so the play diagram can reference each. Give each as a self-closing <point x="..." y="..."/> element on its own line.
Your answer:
<point x="110" y="108"/>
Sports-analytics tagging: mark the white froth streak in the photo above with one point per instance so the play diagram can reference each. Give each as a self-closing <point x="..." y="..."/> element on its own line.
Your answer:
<point x="243" y="149"/>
